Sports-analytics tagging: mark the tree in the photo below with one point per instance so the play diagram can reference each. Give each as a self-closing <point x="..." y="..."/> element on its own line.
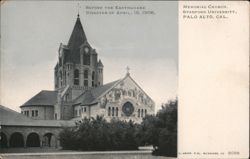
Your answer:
<point x="161" y="130"/>
<point x="149" y="131"/>
<point x="168" y="134"/>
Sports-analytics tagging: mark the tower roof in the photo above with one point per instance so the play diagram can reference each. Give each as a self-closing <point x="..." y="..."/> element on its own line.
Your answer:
<point x="76" y="39"/>
<point x="78" y="36"/>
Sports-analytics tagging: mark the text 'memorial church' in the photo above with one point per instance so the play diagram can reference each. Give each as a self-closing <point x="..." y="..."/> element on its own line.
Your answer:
<point x="79" y="90"/>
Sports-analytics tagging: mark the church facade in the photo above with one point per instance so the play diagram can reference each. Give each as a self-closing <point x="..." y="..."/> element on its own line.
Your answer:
<point x="79" y="91"/>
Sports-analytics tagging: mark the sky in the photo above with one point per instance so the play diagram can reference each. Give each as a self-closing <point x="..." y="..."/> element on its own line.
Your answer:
<point x="31" y="32"/>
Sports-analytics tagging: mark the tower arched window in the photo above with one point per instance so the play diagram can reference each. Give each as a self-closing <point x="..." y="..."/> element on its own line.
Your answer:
<point x="142" y="113"/>
<point x="76" y="77"/>
<point x="139" y="113"/>
<point x="116" y="111"/>
<point x="64" y="77"/>
<point x="86" y="76"/>
<point x="56" y="80"/>
<point x="86" y="59"/>
<point x="93" y="79"/>
<point x="60" y="75"/>
<point x="113" y="111"/>
<point x="109" y="111"/>
<point x="145" y="112"/>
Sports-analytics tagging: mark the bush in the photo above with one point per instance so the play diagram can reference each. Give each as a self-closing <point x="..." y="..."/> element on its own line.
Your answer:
<point x="122" y="135"/>
<point x="99" y="135"/>
<point x="159" y="130"/>
<point x="68" y="139"/>
<point x="167" y="143"/>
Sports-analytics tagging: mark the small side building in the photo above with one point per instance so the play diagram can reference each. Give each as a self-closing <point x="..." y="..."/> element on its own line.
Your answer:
<point x="41" y="106"/>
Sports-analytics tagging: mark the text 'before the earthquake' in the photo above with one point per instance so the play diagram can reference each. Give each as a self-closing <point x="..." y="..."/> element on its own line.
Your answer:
<point x="118" y="10"/>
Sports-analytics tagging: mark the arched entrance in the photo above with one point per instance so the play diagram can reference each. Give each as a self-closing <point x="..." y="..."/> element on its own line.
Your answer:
<point x="49" y="140"/>
<point x="16" y="140"/>
<point x="3" y="141"/>
<point x="33" y="140"/>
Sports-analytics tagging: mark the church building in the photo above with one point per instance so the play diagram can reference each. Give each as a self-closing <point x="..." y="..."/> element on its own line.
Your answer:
<point x="79" y="91"/>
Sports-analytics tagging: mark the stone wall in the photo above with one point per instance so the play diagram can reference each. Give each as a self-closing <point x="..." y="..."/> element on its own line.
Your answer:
<point x="96" y="110"/>
<point x="127" y="91"/>
<point x="67" y="111"/>
<point x="81" y="111"/>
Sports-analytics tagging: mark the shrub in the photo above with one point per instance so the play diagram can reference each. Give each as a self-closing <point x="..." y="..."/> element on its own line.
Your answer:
<point x="68" y="139"/>
<point x="99" y="135"/>
<point x="159" y="130"/>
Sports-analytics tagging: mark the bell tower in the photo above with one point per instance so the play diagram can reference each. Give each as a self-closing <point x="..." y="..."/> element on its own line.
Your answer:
<point x="77" y="69"/>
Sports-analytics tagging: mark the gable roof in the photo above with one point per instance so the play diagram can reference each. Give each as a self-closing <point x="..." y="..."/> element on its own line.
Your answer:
<point x="140" y="87"/>
<point x="9" y="117"/>
<point x="43" y="98"/>
<point x="91" y="96"/>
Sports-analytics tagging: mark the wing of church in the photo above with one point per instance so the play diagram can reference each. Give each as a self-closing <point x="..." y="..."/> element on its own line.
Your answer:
<point x="79" y="90"/>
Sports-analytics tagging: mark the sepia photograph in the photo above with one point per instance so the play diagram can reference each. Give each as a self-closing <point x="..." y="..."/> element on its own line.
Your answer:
<point x="124" y="79"/>
<point x="89" y="79"/>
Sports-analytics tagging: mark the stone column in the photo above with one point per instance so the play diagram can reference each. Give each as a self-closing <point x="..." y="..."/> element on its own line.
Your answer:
<point x="8" y="140"/>
<point x="41" y="140"/>
<point x="41" y="143"/>
<point x="24" y="140"/>
<point x="53" y="141"/>
<point x="8" y="143"/>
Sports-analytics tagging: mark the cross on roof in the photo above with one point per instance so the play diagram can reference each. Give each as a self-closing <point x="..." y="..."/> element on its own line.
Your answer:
<point x="78" y="8"/>
<point x="127" y="68"/>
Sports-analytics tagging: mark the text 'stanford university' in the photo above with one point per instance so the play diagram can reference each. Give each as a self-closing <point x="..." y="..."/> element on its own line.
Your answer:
<point x="79" y="93"/>
<point x="79" y="90"/>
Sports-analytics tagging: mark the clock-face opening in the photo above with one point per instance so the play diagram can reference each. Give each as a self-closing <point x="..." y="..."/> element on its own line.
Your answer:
<point x="86" y="49"/>
<point x="128" y="108"/>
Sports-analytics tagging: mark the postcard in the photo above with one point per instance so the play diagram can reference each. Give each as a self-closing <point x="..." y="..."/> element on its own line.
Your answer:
<point x="124" y="79"/>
